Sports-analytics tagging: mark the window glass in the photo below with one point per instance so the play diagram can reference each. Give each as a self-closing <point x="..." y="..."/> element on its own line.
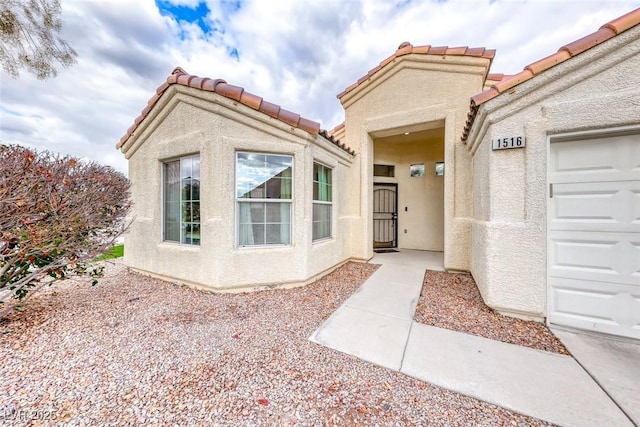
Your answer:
<point x="264" y="184"/>
<point x="182" y="200"/>
<point x="384" y="170"/>
<point x="322" y="201"/>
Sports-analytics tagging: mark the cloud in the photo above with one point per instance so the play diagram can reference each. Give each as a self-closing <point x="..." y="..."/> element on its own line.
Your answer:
<point x="298" y="54"/>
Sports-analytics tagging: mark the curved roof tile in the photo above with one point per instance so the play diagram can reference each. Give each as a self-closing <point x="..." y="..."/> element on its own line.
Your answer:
<point x="604" y="33"/>
<point x="237" y="93"/>
<point x="407" y="48"/>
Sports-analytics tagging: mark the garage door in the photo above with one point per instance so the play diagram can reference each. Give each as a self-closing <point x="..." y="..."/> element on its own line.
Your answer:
<point x="594" y="234"/>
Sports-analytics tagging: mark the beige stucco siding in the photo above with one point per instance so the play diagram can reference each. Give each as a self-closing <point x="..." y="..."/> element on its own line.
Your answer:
<point x="595" y="92"/>
<point x="196" y="122"/>
<point x="417" y="92"/>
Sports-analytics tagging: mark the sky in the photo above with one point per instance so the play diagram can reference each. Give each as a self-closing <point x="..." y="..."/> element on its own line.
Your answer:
<point x="296" y="53"/>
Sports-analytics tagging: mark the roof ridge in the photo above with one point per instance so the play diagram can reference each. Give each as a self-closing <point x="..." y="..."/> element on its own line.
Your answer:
<point x="219" y="86"/>
<point x="406" y="48"/>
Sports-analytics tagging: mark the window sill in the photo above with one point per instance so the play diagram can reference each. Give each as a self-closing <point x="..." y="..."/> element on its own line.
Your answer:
<point x="323" y="240"/>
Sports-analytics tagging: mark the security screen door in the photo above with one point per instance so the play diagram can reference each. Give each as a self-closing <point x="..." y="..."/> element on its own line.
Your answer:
<point x="385" y="215"/>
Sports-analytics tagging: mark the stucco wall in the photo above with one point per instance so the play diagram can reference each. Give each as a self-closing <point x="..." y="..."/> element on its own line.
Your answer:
<point x="420" y="199"/>
<point x="593" y="92"/>
<point x="188" y="121"/>
<point x="416" y="92"/>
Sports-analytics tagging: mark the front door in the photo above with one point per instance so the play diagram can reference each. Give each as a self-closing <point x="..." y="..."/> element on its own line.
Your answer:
<point x="385" y="215"/>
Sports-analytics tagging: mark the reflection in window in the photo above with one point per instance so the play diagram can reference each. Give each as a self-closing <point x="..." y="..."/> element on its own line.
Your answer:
<point x="182" y="200"/>
<point x="264" y="185"/>
<point x="322" y="201"/>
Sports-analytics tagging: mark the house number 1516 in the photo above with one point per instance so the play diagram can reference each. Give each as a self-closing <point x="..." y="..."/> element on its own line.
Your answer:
<point x="508" y="142"/>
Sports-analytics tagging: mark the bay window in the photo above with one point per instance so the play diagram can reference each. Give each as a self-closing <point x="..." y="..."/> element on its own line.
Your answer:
<point x="264" y="184"/>
<point x="322" y="201"/>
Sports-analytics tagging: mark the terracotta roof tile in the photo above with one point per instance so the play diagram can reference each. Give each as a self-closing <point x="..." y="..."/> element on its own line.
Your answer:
<point x="162" y="88"/>
<point x="574" y="48"/>
<point x="309" y="125"/>
<point x="548" y="62"/>
<point x="251" y="100"/>
<point x="422" y="49"/>
<point x="336" y="129"/>
<point x="507" y="84"/>
<point x="496" y="77"/>
<point x="407" y="48"/>
<point x="475" y="51"/>
<point x="229" y="91"/>
<point x="587" y="42"/>
<point x="328" y="135"/>
<point x="270" y="108"/>
<point x="624" y="22"/>
<point x="289" y="117"/>
<point x="606" y="32"/>
<point x="457" y="50"/>
<point x="221" y="87"/>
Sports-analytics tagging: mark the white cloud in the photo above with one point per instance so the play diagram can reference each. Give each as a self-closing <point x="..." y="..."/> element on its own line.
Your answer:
<point x="298" y="54"/>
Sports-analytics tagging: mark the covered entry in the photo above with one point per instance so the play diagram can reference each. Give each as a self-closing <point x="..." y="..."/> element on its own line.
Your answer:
<point x="594" y="234"/>
<point x="408" y="188"/>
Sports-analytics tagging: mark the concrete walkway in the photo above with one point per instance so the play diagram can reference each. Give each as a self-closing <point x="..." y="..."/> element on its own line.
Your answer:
<point x="376" y="324"/>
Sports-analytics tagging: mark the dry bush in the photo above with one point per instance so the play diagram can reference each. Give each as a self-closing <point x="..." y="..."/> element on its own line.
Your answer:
<point x="56" y="214"/>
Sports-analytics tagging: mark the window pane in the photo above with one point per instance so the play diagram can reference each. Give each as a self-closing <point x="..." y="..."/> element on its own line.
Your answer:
<point x="250" y="174"/>
<point x="181" y="215"/>
<point x="195" y="211"/>
<point x="265" y="176"/>
<point x="321" y="221"/>
<point x="195" y="189"/>
<point x="251" y="234"/>
<point x="172" y="201"/>
<point x="274" y="234"/>
<point x="185" y="167"/>
<point x="274" y="212"/>
<point x="195" y="234"/>
<point x="250" y="213"/>
<point x="186" y="189"/>
<point x="195" y="167"/>
<point x="384" y="170"/>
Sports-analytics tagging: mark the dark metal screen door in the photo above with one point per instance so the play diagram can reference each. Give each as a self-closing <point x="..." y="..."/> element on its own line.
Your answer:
<point x="385" y="216"/>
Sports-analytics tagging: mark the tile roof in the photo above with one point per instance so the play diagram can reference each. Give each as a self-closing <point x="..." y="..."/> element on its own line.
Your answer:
<point x="606" y="32"/>
<point x="221" y="87"/>
<point x="407" y="48"/>
<point x="336" y="129"/>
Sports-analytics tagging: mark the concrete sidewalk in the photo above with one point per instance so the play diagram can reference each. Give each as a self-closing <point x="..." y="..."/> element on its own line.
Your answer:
<point x="376" y="324"/>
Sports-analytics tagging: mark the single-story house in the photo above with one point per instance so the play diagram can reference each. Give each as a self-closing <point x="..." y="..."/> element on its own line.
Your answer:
<point x="530" y="182"/>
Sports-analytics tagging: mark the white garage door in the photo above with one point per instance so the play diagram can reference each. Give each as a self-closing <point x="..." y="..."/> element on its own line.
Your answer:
<point x="594" y="234"/>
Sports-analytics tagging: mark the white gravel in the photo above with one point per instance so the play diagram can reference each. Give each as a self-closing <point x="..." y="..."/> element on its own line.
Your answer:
<point x="138" y="351"/>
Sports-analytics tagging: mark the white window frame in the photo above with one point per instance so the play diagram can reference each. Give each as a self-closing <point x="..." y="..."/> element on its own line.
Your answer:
<point x="163" y="230"/>
<point x="320" y="202"/>
<point x="265" y="200"/>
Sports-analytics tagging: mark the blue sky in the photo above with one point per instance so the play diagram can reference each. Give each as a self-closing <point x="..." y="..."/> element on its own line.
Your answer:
<point x="195" y="15"/>
<point x="296" y="53"/>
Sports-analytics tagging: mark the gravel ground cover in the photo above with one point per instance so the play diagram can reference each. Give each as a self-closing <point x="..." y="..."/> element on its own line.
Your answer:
<point x="452" y="301"/>
<point x="138" y="351"/>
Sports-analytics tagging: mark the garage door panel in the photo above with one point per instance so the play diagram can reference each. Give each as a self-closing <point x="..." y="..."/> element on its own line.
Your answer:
<point x="586" y="304"/>
<point x="593" y="231"/>
<point x="603" y="257"/>
<point x="603" y="159"/>
<point x="602" y="206"/>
